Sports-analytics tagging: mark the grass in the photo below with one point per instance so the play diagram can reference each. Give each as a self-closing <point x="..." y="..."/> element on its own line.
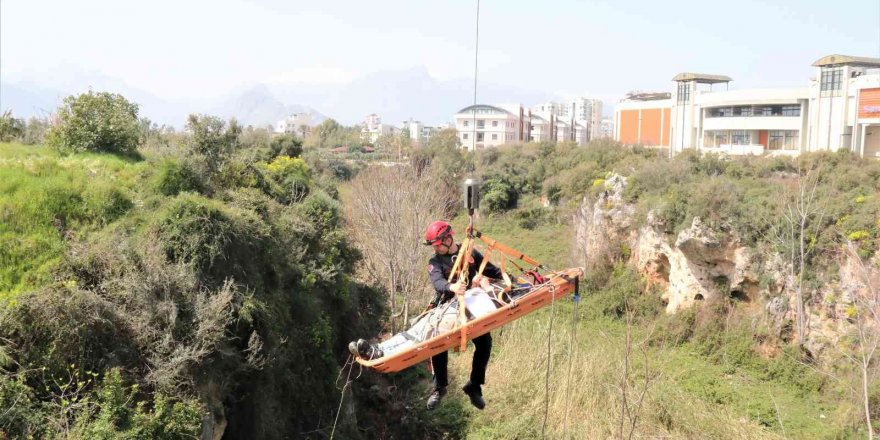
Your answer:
<point x="47" y="199"/>
<point x="550" y="243"/>
<point x="690" y="396"/>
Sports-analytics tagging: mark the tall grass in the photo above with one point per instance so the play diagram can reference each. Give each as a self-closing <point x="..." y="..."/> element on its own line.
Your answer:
<point x="46" y="198"/>
<point x="689" y="394"/>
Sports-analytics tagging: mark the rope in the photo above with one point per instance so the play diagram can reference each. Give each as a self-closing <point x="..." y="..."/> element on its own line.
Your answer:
<point x="476" y="60"/>
<point x="350" y="364"/>
<point x="547" y="376"/>
<point x="571" y="345"/>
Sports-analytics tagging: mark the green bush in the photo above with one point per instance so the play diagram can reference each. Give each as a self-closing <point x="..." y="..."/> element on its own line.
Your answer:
<point x="117" y="412"/>
<point x="498" y="195"/>
<point x="175" y="177"/>
<point x="285" y="145"/>
<point x="622" y="293"/>
<point x="212" y="138"/>
<point x="96" y="122"/>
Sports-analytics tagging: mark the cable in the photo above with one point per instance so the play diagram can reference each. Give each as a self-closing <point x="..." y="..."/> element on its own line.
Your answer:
<point x="476" y="63"/>
<point x="350" y="366"/>
<point x="547" y="377"/>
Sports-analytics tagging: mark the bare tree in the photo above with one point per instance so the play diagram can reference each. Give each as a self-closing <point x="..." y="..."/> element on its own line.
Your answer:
<point x="867" y="322"/>
<point x="801" y="216"/>
<point x="389" y="210"/>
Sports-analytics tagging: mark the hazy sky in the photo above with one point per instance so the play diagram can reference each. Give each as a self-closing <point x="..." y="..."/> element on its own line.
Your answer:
<point x="187" y="49"/>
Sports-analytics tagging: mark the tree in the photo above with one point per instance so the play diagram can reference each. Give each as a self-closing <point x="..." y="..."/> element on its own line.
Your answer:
<point x="100" y="122"/>
<point x="10" y="128"/>
<point x="865" y="313"/>
<point x="801" y="216"/>
<point x="35" y="132"/>
<point x="444" y="139"/>
<point x="390" y="208"/>
<point x="211" y="137"/>
<point x="286" y="145"/>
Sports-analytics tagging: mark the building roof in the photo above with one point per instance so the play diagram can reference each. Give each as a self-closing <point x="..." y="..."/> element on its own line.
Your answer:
<point x="841" y="60"/>
<point x="702" y="78"/>
<point x="471" y="108"/>
<point x="647" y="96"/>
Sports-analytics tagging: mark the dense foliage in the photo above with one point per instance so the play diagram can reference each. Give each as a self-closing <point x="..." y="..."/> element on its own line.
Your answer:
<point x="97" y="122"/>
<point x="144" y="296"/>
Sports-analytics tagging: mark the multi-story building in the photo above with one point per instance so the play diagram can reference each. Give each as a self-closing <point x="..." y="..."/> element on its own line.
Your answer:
<point x="606" y="130"/>
<point x="583" y="112"/>
<point x="374" y="128"/>
<point x="418" y="132"/>
<point x="837" y="110"/>
<point x="482" y="125"/>
<point x="297" y="123"/>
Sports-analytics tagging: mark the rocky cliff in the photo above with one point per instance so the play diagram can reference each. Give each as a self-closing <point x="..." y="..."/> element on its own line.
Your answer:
<point x="701" y="264"/>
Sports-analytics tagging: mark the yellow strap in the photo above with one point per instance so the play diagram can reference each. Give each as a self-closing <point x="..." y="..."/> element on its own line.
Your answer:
<point x="486" y="258"/>
<point x="459" y="258"/>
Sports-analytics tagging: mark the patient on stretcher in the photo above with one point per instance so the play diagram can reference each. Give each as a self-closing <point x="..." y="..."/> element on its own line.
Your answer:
<point x="479" y="301"/>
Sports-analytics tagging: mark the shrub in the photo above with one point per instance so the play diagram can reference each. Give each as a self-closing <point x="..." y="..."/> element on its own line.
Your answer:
<point x="212" y="138"/>
<point x="175" y="177"/>
<point x="285" y="145"/>
<point x="498" y="195"/>
<point x="11" y="128"/>
<point x="98" y="122"/>
<point x="116" y="412"/>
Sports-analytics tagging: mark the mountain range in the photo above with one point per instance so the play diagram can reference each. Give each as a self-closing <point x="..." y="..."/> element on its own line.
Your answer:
<point x="394" y="95"/>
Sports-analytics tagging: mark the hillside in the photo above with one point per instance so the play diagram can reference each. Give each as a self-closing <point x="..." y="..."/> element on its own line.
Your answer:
<point x="161" y="295"/>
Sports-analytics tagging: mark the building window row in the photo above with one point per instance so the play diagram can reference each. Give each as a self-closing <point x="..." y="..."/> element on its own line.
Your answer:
<point x="754" y="110"/>
<point x="782" y="140"/>
<point x="684" y="92"/>
<point x="831" y="81"/>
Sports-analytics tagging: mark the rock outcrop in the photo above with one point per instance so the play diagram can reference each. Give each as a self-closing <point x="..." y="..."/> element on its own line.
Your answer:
<point x="700" y="263"/>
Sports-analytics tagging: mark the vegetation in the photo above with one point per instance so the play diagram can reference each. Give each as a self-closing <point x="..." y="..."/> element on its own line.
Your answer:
<point x="96" y="122"/>
<point x="155" y="284"/>
<point x="140" y="294"/>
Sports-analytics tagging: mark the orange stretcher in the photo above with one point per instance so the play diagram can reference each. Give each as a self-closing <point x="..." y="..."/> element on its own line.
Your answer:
<point x="557" y="285"/>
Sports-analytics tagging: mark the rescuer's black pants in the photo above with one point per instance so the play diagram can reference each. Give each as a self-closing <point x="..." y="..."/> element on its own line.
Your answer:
<point x="483" y="346"/>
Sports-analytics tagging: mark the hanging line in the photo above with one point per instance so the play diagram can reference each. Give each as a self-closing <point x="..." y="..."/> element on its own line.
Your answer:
<point x="571" y="345"/>
<point x="474" y="109"/>
<point x="350" y="364"/>
<point x="547" y="376"/>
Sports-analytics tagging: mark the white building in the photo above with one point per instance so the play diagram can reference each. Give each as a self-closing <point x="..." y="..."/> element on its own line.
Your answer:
<point x="482" y="125"/>
<point x="414" y="129"/>
<point x="418" y="132"/>
<point x="578" y="111"/>
<point x="606" y="129"/>
<point x="298" y="123"/>
<point x="374" y="128"/>
<point x="839" y="109"/>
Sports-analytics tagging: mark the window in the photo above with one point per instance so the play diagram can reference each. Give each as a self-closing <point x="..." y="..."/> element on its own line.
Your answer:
<point x="494" y="123"/>
<point x="479" y="137"/>
<point x="684" y="92"/>
<point x="783" y="140"/>
<point x="481" y="123"/>
<point x="466" y="123"/>
<point x="830" y="82"/>
<point x="720" y="138"/>
<point x="494" y="137"/>
<point x="709" y="139"/>
<point x="740" y="137"/>
<point x="464" y="136"/>
<point x="748" y="110"/>
<point x="791" y="110"/>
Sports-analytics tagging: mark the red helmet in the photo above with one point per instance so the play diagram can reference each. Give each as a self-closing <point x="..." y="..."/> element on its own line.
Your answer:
<point x="436" y="232"/>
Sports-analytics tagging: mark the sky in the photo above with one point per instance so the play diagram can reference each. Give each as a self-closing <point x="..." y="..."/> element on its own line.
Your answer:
<point x="197" y="49"/>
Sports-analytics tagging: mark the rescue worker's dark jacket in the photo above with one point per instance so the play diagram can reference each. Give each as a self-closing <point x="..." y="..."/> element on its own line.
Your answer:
<point x="439" y="267"/>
